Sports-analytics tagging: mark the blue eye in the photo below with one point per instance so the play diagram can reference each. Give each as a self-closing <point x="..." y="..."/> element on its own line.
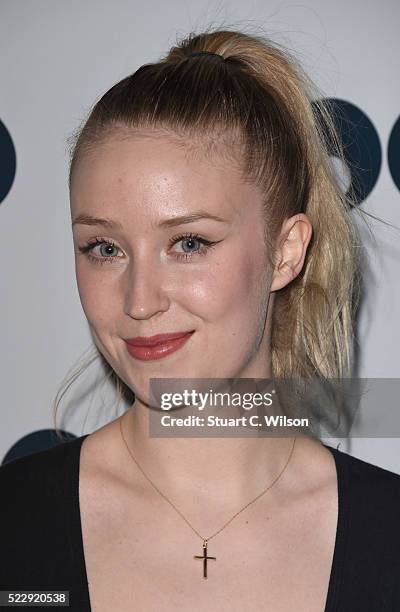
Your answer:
<point x="190" y="240"/>
<point x="106" y="258"/>
<point x="195" y="245"/>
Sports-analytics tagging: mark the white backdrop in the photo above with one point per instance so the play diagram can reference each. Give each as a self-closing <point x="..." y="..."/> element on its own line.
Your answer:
<point x="56" y="59"/>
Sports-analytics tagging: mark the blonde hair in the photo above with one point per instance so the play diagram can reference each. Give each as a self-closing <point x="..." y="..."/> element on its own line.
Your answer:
<point x="258" y="94"/>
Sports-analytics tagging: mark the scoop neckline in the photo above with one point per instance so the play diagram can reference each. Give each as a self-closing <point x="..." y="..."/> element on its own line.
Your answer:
<point x="336" y="575"/>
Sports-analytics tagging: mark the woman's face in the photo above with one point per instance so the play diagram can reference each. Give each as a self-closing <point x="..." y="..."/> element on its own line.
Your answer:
<point x="147" y="276"/>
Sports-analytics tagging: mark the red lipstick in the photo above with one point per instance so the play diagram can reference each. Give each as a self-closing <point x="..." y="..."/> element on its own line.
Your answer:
<point x="156" y="347"/>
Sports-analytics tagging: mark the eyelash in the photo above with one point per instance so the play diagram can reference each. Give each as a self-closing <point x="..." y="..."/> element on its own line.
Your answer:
<point x="206" y="246"/>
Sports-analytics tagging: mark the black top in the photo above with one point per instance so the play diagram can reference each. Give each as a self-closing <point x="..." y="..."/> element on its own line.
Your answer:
<point x="41" y="544"/>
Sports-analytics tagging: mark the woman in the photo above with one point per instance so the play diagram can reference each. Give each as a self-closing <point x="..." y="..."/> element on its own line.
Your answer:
<point x="204" y="206"/>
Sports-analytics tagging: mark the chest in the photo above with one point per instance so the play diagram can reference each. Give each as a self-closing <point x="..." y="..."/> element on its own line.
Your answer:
<point x="145" y="558"/>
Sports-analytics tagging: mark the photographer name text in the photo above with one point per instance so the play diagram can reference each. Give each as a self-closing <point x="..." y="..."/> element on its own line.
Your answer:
<point x="243" y="421"/>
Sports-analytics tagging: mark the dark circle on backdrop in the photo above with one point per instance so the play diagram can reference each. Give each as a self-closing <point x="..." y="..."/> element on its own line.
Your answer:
<point x="361" y="145"/>
<point x="35" y="442"/>
<point x="394" y="153"/>
<point x="8" y="161"/>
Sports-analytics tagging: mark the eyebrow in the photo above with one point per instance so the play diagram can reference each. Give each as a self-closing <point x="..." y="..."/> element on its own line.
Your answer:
<point x="85" y="219"/>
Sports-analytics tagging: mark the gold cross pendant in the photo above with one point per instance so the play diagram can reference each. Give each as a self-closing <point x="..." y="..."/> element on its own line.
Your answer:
<point x="205" y="557"/>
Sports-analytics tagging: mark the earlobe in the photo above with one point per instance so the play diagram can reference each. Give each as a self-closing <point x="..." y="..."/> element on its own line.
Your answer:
<point x="282" y="276"/>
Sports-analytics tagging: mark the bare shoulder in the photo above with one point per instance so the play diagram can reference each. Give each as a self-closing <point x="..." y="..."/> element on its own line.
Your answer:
<point x="100" y="449"/>
<point x="313" y="472"/>
<point x="103" y="462"/>
<point x="106" y="483"/>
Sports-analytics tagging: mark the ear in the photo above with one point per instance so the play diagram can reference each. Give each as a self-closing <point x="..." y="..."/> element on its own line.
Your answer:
<point x="291" y="250"/>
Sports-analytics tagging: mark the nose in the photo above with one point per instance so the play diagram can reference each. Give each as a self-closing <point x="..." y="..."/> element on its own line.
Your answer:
<point x="145" y="294"/>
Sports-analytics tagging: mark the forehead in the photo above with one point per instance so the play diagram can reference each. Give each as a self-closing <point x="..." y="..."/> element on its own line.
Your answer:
<point x="152" y="173"/>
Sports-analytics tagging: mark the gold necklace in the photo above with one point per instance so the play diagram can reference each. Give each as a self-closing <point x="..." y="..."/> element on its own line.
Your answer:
<point x="205" y="556"/>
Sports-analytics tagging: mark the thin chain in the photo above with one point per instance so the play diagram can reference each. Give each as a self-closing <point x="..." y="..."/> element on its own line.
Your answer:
<point x="180" y="513"/>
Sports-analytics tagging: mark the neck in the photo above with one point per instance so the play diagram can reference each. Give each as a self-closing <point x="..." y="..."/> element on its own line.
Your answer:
<point x="193" y="472"/>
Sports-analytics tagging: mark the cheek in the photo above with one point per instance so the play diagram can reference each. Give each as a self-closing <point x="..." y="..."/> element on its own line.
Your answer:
<point x="230" y="289"/>
<point x="97" y="299"/>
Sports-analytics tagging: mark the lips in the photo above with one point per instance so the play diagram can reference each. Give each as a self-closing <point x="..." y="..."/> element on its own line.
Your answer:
<point x="157" y="339"/>
<point x="156" y="347"/>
